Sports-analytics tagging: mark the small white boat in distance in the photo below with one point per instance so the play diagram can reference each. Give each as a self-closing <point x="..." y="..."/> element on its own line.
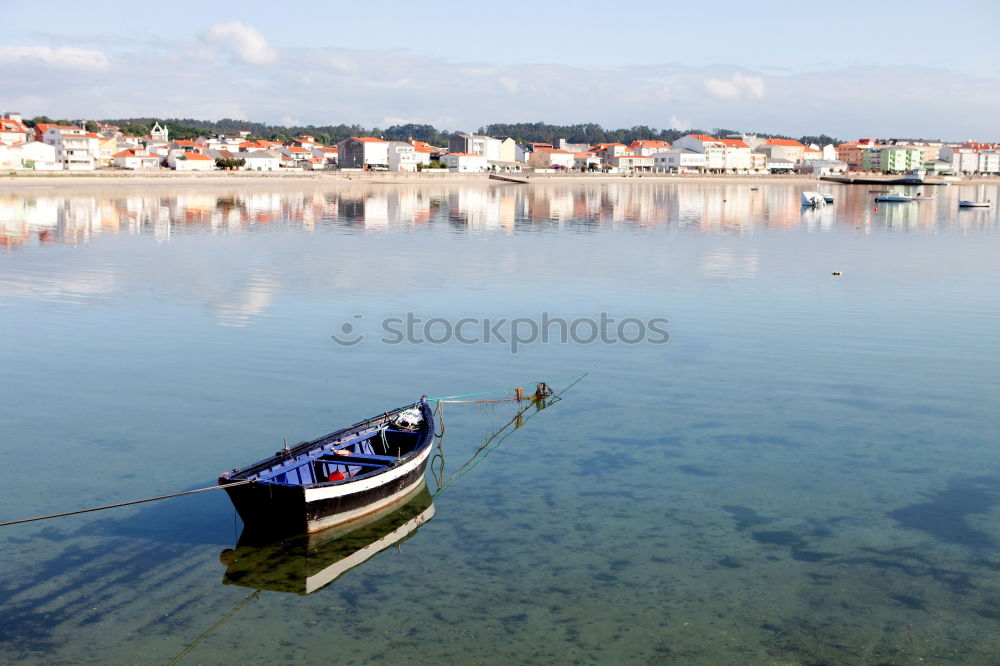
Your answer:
<point x="828" y="198"/>
<point x="973" y="204"/>
<point x="813" y="199"/>
<point x="891" y="197"/>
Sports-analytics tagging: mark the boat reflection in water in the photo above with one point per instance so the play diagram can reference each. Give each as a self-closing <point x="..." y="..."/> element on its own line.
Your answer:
<point x="304" y="563"/>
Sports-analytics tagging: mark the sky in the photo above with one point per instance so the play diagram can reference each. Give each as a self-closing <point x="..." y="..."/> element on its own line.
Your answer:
<point x="849" y="69"/>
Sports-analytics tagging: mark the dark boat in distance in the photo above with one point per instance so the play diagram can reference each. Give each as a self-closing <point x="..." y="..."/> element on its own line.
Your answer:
<point x="340" y="477"/>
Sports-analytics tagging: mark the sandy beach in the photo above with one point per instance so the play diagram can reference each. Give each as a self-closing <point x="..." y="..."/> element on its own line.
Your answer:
<point x="63" y="181"/>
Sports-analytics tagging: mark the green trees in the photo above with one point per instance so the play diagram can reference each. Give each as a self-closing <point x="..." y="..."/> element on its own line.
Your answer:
<point x="229" y="163"/>
<point x="589" y="133"/>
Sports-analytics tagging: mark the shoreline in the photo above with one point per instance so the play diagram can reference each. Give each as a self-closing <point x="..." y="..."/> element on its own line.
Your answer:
<point x="106" y="180"/>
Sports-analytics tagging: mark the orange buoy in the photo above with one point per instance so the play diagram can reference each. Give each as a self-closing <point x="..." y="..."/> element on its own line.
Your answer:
<point x="336" y="476"/>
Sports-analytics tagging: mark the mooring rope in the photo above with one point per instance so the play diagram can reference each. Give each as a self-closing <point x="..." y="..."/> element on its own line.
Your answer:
<point x="115" y="506"/>
<point x="250" y="597"/>
<point x="453" y="398"/>
<point x="492" y="442"/>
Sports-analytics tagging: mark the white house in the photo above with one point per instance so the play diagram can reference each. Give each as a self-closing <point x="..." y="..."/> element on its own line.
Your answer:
<point x="478" y="144"/>
<point x="737" y="156"/>
<point x="630" y="163"/>
<point x="40" y="157"/>
<point x="713" y="149"/>
<point x="261" y="160"/>
<point x="586" y="161"/>
<point x="296" y="154"/>
<point x="326" y="153"/>
<point x="465" y="162"/>
<point x="190" y="161"/>
<point x="551" y="158"/>
<point x="649" y="147"/>
<point x="12" y="130"/>
<point x="403" y="158"/>
<point x="220" y="142"/>
<point x="76" y="148"/>
<point x="136" y="158"/>
<point x="679" y="160"/>
<point x="10" y="155"/>
<point x="363" y="152"/>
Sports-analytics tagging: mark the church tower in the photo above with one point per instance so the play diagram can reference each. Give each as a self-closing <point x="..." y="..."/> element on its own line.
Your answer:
<point x="158" y="133"/>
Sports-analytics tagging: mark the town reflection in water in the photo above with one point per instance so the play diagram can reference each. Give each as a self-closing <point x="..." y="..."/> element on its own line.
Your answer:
<point x="51" y="218"/>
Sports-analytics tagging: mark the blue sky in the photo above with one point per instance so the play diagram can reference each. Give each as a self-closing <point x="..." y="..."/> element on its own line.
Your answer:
<point x="849" y="69"/>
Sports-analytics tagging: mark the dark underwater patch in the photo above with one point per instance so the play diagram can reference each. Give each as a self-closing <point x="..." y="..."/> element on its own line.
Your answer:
<point x="746" y="517"/>
<point x="694" y="470"/>
<point x="944" y="516"/>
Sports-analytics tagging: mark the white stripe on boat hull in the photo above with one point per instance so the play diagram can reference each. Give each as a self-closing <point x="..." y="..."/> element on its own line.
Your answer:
<point x="351" y="487"/>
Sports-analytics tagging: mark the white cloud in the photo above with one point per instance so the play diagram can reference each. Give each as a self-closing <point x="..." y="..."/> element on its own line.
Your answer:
<point x="248" y="44"/>
<point x="67" y="57"/>
<point x="343" y="64"/>
<point x="679" y="124"/>
<point x="509" y="84"/>
<point x="754" y="85"/>
<point x="735" y="86"/>
<point x="722" y="89"/>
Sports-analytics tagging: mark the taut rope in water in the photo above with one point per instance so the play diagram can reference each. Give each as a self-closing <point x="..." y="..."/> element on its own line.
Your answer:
<point x="115" y="506"/>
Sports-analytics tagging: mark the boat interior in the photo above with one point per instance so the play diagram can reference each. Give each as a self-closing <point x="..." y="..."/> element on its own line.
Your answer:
<point x="347" y="459"/>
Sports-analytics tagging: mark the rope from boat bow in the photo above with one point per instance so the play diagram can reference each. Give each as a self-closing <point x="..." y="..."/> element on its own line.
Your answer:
<point x="115" y="506"/>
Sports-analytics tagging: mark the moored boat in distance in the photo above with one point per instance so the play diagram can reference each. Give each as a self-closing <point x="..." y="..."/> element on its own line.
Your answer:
<point x="828" y="198"/>
<point x="964" y="203"/>
<point x="339" y="477"/>
<point x="813" y="199"/>
<point x="894" y="198"/>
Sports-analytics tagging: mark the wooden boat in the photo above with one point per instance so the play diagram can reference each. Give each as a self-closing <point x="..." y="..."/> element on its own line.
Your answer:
<point x="973" y="204"/>
<point x="305" y="563"/>
<point x="339" y="477"/>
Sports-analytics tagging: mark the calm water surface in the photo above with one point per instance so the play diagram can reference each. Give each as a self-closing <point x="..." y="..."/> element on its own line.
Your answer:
<point x="808" y="472"/>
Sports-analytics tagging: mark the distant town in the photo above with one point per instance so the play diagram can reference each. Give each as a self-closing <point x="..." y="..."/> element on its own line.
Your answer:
<point x="36" y="146"/>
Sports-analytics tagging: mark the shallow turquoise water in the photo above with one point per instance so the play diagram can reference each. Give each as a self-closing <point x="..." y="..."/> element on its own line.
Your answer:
<point x="806" y="473"/>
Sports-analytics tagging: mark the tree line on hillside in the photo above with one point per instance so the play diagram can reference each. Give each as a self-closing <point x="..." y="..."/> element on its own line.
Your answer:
<point x="589" y="133"/>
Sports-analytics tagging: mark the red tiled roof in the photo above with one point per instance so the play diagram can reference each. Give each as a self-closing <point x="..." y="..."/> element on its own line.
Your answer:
<point x="196" y="156"/>
<point x="132" y="153"/>
<point x="735" y="143"/>
<point x="11" y="125"/>
<point x="785" y="142"/>
<point x="367" y="139"/>
<point x="703" y="137"/>
<point x="651" y="143"/>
